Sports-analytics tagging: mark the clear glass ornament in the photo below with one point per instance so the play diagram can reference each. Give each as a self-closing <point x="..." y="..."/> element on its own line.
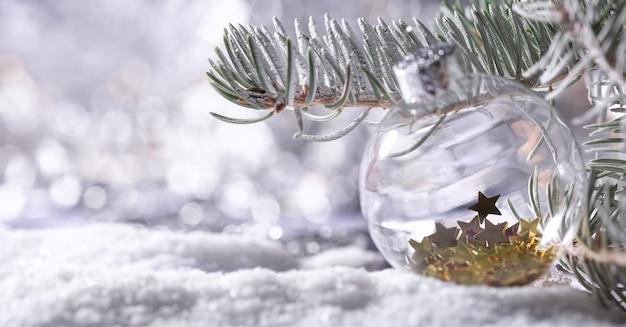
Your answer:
<point x="473" y="178"/>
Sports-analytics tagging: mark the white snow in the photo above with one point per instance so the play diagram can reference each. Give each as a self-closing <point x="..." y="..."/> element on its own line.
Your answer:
<point x="349" y="256"/>
<point x="117" y="245"/>
<point x="121" y="275"/>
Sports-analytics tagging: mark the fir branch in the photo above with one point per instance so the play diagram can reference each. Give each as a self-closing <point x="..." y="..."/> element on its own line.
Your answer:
<point x="590" y="37"/>
<point x="537" y="43"/>
<point x="599" y="256"/>
<point x="268" y="71"/>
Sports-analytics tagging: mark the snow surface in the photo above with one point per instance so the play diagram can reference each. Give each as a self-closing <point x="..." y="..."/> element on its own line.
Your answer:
<point x="122" y="275"/>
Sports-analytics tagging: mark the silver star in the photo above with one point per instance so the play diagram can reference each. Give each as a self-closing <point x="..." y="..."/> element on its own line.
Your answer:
<point x="470" y="230"/>
<point x="444" y="237"/>
<point x="493" y="233"/>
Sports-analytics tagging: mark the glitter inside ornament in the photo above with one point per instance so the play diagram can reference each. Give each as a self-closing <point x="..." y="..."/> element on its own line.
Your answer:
<point x="473" y="179"/>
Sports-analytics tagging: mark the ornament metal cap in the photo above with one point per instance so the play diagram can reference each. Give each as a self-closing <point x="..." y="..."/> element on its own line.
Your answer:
<point x="427" y="72"/>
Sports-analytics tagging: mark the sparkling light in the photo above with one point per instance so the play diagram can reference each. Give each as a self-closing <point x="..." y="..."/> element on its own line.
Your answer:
<point x="71" y="121"/>
<point x="182" y="177"/>
<point x="190" y="214"/>
<point x="275" y="232"/>
<point x="266" y="210"/>
<point x="122" y="131"/>
<point x="95" y="198"/>
<point x="65" y="191"/>
<point x="20" y="170"/>
<point x="13" y="200"/>
<point x="236" y="198"/>
<point x="52" y="158"/>
<point x="312" y="200"/>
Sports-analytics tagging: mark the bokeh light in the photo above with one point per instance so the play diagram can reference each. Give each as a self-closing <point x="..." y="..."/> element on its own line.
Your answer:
<point x="104" y="116"/>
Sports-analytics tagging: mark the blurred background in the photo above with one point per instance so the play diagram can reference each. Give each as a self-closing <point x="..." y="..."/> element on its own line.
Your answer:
<point x="104" y="116"/>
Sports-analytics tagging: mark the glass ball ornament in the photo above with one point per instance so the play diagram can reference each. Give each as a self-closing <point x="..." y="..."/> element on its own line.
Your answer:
<point x="472" y="178"/>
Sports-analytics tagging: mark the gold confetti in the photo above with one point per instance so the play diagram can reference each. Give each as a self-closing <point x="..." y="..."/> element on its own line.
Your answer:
<point x="489" y="254"/>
